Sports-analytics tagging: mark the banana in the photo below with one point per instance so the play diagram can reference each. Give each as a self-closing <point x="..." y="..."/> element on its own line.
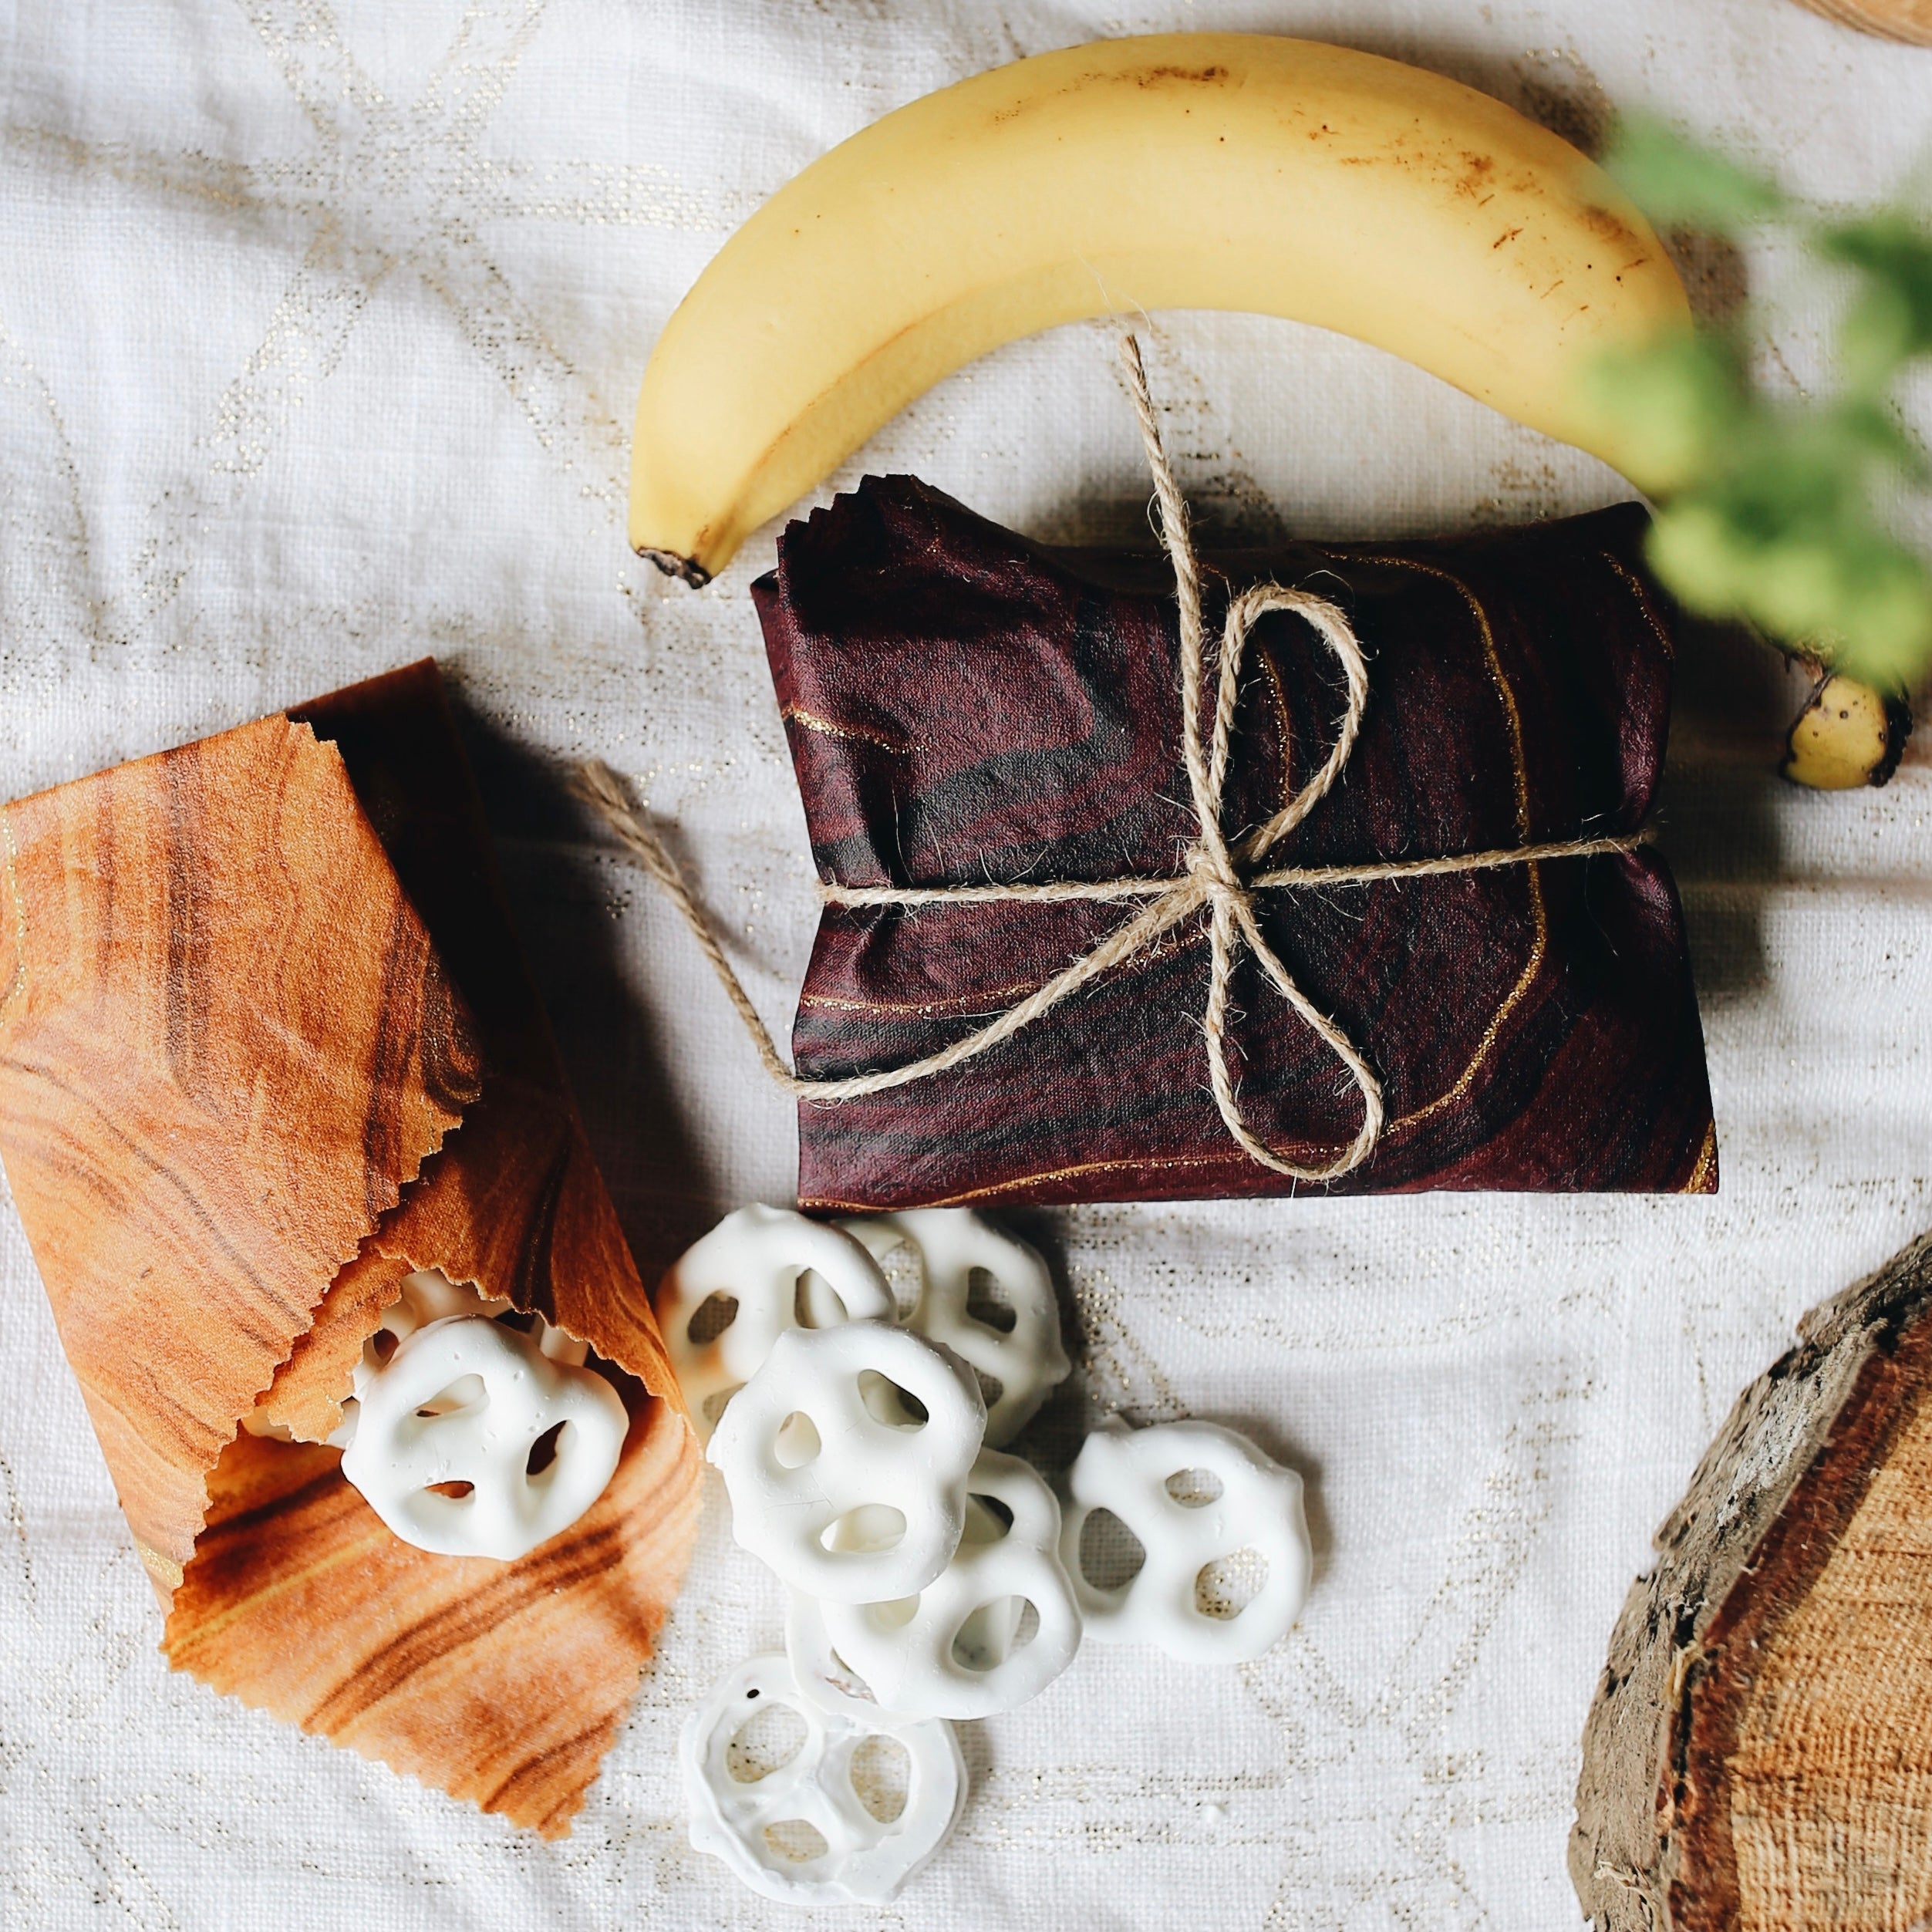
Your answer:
<point x="1847" y="735"/>
<point x="1174" y="170"/>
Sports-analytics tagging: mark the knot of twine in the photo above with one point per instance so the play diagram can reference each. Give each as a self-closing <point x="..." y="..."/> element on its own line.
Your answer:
<point x="1215" y="877"/>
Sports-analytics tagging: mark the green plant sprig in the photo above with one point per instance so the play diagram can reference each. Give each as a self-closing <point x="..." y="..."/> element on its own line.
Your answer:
<point x="1768" y="509"/>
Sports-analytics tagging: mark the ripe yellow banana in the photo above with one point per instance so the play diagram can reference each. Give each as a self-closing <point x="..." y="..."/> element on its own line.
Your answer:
<point x="1173" y="171"/>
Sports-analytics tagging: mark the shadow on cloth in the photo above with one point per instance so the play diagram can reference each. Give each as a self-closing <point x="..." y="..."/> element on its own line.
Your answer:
<point x="561" y="902"/>
<point x="1734" y="700"/>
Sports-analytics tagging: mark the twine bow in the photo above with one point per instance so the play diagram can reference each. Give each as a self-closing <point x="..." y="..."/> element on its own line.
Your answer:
<point x="1216" y="876"/>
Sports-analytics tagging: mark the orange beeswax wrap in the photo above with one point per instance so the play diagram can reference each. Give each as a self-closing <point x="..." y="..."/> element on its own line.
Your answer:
<point x="267" y="1044"/>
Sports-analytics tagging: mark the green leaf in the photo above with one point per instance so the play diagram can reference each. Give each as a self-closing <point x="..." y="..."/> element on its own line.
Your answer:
<point x="1672" y="409"/>
<point x="1875" y="430"/>
<point x="1769" y="510"/>
<point x="1891" y="322"/>
<point x="1679" y="184"/>
<point x="1849" y="592"/>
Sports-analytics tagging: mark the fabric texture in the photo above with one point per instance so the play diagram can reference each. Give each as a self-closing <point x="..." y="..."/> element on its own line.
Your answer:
<point x="966" y="709"/>
<point x="320" y="328"/>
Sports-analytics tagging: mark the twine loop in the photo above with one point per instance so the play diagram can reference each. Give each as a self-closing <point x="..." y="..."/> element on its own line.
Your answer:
<point x="1213" y="876"/>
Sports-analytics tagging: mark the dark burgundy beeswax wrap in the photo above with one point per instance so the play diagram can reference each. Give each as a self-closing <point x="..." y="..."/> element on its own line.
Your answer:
<point x="966" y="707"/>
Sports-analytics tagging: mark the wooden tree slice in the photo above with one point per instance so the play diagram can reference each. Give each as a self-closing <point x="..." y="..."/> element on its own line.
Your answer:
<point x="1759" y="1753"/>
<point x="1907" y="20"/>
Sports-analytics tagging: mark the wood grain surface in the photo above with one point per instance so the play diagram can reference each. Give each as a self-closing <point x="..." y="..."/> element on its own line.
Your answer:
<point x="502" y="1683"/>
<point x="1909" y="21"/>
<point x="514" y="1203"/>
<point x="226" y="1043"/>
<point x="1759" y="1754"/>
<point x="250" y="986"/>
<point x="306" y="1397"/>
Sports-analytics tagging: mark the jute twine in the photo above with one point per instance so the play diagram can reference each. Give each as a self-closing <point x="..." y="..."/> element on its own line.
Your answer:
<point x="1217" y="877"/>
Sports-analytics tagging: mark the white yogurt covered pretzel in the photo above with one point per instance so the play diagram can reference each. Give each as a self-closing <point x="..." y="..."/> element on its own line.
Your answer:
<point x="756" y="1257"/>
<point x="744" y="1821"/>
<point x="823" y="1676"/>
<point x="952" y="1244"/>
<point x="1259" y="1509"/>
<point x="448" y="1428"/>
<point x="844" y="1491"/>
<point x="949" y="1651"/>
<point x="429" y="1295"/>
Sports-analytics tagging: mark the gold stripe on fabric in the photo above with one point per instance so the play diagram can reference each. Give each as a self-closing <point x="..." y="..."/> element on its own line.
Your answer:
<point x="1704" y="1173"/>
<point x="966" y="1003"/>
<point x="797" y="714"/>
<point x="994" y="1189"/>
<point x="1640" y="594"/>
<point x="1533" y="871"/>
<point x="1278" y="694"/>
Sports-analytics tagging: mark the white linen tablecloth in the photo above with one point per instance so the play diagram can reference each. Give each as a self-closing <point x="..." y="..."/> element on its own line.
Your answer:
<point x="320" y="329"/>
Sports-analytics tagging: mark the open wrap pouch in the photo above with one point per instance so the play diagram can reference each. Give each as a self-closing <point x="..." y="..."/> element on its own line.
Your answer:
<point x="966" y="708"/>
<point x="266" y="1045"/>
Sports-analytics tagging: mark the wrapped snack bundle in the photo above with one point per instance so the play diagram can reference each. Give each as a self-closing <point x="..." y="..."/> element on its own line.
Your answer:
<point x="1435" y="830"/>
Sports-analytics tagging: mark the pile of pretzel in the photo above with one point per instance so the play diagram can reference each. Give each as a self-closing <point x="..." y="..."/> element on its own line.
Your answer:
<point x="929" y="1575"/>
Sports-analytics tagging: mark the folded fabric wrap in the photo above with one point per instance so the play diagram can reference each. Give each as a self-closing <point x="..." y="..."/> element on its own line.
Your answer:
<point x="966" y="708"/>
<point x="267" y="1045"/>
